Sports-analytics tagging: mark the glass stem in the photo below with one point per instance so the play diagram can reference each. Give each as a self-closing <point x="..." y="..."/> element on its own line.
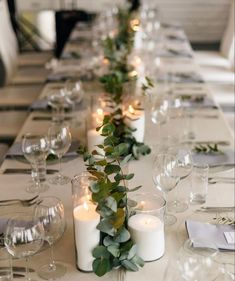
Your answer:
<point x="177" y="194"/>
<point x="52" y="265"/>
<point x="60" y="168"/>
<point x="27" y="278"/>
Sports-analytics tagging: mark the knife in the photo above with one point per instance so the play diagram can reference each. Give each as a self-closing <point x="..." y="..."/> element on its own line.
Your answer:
<point x="216" y="209"/>
<point x="18" y="268"/>
<point x="26" y="171"/>
<point x="216" y="168"/>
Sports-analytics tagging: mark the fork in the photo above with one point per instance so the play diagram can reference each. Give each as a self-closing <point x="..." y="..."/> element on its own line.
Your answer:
<point x="213" y="180"/>
<point x="23" y="202"/>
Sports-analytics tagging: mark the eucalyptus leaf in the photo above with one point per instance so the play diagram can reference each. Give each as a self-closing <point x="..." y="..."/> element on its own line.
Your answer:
<point x="122" y="235"/>
<point x="106" y="227"/>
<point x="129" y="265"/>
<point x="114" y="250"/>
<point x="101" y="266"/>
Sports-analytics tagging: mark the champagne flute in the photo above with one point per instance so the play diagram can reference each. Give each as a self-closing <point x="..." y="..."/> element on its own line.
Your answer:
<point x="51" y="213"/>
<point x="59" y="137"/>
<point x="24" y="237"/>
<point x="183" y="170"/>
<point x="165" y="179"/>
<point x="35" y="149"/>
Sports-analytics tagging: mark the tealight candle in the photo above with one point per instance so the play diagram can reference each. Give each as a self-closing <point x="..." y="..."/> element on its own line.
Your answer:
<point x="87" y="236"/>
<point x="135" y="119"/>
<point x="147" y="232"/>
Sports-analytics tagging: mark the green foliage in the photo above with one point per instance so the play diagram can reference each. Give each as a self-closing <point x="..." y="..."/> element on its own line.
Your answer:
<point x="109" y="191"/>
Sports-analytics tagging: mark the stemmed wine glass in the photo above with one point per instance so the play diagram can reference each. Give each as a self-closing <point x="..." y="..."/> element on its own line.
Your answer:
<point x="183" y="170"/>
<point x="57" y="100"/>
<point x="59" y="138"/>
<point x="165" y="179"/>
<point x="35" y="149"/>
<point x="159" y="108"/>
<point x="51" y="213"/>
<point x="24" y="237"/>
<point x="74" y="94"/>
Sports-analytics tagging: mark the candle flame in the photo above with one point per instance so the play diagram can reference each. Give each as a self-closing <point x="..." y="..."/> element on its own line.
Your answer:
<point x="100" y="112"/>
<point x="135" y="24"/>
<point x="131" y="109"/>
<point x="148" y="221"/>
<point x="85" y="205"/>
<point x="142" y="204"/>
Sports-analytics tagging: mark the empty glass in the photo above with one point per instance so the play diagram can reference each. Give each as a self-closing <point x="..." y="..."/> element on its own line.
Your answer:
<point x="165" y="178"/>
<point x="59" y="138"/>
<point x="182" y="170"/>
<point x="199" y="183"/>
<point x="35" y="149"/>
<point x="24" y="237"/>
<point x="5" y="262"/>
<point x="51" y="213"/>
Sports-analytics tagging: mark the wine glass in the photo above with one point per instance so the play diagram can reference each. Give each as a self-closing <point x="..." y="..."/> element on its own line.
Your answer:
<point x="57" y="100"/>
<point x="35" y="149"/>
<point x="74" y="94"/>
<point x="51" y="213"/>
<point x="183" y="170"/>
<point x="59" y="138"/>
<point x="24" y="237"/>
<point x="159" y="107"/>
<point x="165" y="179"/>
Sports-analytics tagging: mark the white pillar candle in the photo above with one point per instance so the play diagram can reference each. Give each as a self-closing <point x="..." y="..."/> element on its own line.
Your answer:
<point x="87" y="236"/>
<point x="147" y="232"/>
<point x="135" y="119"/>
<point x="94" y="138"/>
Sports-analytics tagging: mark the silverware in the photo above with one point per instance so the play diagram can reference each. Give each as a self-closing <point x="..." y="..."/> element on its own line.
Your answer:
<point x="48" y="118"/>
<point x="216" y="168"/>
<point x="26" y="171"/>
<point x="225" y="180"/>
<point x="24" y="202"/>
<point x="18" y="269"/>
<point x="17" y="275"/>
<point x="216" y="209"/>
<point x="223" y="143"/>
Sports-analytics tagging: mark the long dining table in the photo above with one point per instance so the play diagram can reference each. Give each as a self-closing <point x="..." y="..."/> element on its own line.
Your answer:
<point x="206" y="130"/>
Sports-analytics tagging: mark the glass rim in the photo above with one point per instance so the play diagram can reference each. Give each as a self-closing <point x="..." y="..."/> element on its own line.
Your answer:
<point x="152" y="195"/>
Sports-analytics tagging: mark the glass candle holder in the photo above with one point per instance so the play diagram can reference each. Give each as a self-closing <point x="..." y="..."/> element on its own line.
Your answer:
<point x="94" y="137"/>
<point x="146" y="225"/>
<point x="133" y="110"/>
<point x="86" y="219"/>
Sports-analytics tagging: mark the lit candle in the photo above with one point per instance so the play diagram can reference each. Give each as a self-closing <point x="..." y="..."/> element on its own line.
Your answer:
<point x="147" y="232"/>
<point x="135" y="119"/>
<point x="87" y="236"/>
<point x="94" y="138"/>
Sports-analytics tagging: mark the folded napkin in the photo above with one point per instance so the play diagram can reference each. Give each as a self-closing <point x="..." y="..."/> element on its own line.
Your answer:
<point x="41" y="104"/>
<point x="174" y="53"/>
<point x="60" y="76"/>
<point x="205" y="102"/>
<point x="214" y="233"/>
<point x="16" y="149"/>
<point x="71" y="55"/>
<point x="216" y="158"/>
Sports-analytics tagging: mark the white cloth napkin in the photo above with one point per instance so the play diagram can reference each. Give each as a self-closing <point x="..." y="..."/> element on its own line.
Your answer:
<point x="210" y="232"/>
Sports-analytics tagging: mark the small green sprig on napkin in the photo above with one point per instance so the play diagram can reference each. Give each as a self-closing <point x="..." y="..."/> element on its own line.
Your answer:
<point x="207" y="148"/>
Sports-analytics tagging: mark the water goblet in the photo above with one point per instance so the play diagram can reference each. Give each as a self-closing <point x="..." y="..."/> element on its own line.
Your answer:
<point x="165" y="179"/>
<point x="57" y="101"/>
<point x="183" y="170"/>
<point x="24" y="237"/>
<point x="35" y="149"/>
<point x="59" y="138"/>
<point x="51" y="213"/>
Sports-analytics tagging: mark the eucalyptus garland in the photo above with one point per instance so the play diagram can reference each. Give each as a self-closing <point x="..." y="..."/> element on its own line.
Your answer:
<point x="109" y="182"/>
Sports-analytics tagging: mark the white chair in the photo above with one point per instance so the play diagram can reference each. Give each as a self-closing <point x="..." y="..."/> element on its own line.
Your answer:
<point x="9" y="54"/>
<point x="218" y="67"/>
